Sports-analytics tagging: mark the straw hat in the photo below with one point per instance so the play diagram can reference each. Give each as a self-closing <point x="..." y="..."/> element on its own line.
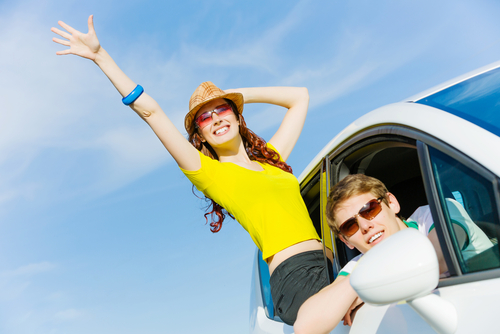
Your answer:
<point x="207" y="92"/>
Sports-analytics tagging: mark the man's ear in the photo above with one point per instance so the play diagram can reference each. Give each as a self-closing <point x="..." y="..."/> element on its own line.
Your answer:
<point x="348" y="244"/>
<point x="393" y="203"/>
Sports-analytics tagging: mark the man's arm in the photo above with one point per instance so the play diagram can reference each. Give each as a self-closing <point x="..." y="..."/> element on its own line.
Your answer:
<point x="322" y="312"/>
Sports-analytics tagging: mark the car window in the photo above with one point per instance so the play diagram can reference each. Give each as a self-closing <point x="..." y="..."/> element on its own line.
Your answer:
<point x="470" y="208"/>
<point x="381" y="156"/>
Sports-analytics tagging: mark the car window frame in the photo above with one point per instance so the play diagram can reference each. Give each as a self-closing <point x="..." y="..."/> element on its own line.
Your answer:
<point x="423" y="139"/>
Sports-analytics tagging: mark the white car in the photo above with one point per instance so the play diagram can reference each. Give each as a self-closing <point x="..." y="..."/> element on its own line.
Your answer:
<point x="442" y="143"/>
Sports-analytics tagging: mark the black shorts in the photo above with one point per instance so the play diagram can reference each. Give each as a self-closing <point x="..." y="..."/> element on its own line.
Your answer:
<point x="295" y="280"/>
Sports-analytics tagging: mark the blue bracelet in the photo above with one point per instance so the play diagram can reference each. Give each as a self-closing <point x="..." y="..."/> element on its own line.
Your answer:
<point x="134" y="95"/>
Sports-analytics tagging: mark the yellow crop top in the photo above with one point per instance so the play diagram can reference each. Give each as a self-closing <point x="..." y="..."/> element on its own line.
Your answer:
<point x="267" y="203"/>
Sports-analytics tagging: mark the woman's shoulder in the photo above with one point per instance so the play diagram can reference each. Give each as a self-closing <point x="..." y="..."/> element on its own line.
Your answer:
<point x="206" y="163"/>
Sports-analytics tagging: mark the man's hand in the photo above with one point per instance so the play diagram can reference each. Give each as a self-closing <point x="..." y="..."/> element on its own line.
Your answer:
<point x="351" y="312"/>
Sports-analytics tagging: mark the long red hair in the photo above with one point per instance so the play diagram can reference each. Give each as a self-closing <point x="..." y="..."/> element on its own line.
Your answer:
<point x="256" y="149"/>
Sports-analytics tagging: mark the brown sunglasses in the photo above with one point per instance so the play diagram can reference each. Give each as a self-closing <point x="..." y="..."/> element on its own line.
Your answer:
<point x="369" y="211"/>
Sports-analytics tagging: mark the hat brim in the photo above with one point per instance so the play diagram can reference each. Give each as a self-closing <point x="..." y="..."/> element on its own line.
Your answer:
<point x="237" y="98"/>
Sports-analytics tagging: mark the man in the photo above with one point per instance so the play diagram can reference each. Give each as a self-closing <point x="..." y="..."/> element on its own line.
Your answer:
<point x="362" y="213"/>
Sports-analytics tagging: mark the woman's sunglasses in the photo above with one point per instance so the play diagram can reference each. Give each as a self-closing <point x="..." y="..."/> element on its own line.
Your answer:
<point x="369" y="211"/>
<point x="205" y="119"/>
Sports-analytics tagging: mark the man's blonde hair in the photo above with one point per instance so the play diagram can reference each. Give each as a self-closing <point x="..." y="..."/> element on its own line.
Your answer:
<point x="352" y="185"/>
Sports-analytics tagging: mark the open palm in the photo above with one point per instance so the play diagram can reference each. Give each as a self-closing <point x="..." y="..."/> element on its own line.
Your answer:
<point x="83" y="45"/>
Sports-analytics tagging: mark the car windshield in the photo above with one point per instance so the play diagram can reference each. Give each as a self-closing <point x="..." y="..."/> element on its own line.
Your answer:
<point x="476" y="100"/>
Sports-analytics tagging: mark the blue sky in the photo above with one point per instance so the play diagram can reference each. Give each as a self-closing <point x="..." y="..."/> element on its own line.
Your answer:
<point x="99" y="230"/>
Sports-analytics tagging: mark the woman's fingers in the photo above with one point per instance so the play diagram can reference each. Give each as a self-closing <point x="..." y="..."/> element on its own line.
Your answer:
<point x="70" y="29"/>
<point x="91" y="23"/>
<point x="62" y="53"/>
<point x="61" y="41"/>
<point x="60" y="33"/>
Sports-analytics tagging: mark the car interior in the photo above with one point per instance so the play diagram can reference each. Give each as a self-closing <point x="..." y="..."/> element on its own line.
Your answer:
<point x="391" y="159"/>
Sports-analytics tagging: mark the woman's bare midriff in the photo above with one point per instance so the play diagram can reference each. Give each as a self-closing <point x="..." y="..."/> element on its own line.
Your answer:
<point x="304" y="246"/>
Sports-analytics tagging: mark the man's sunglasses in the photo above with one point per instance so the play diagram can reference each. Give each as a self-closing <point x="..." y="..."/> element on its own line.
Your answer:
<point x="205" y="119"/>
<point x="369" y="211"/>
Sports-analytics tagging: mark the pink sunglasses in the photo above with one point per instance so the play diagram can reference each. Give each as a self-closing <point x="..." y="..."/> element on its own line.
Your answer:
<point x="205" y="119"/>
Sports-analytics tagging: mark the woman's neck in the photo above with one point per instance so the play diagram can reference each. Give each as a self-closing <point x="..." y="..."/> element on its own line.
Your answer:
<point x="234" y="153"/>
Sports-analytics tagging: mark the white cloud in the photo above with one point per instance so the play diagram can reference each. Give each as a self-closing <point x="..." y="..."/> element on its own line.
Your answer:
<point x="258" y="51"/>
<point x="129" y="153"/>
<point x="28" y="270"/>
<point x="69" y="314"/>
<point x="15" y="282"/>
<point x="12" y="291"/>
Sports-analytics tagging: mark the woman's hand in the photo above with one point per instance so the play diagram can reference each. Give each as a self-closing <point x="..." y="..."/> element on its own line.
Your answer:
<point x="83" y="45"/>
<point x="87" y="46"/>
<point x="295" y="99"/>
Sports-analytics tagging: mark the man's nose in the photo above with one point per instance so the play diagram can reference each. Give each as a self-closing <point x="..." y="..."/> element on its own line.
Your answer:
<point x="364" y="224"/>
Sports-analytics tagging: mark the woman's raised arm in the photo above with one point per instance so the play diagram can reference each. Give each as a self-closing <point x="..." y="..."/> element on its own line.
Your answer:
<point x="295" y="99"/>
<point x="88" y="46"/>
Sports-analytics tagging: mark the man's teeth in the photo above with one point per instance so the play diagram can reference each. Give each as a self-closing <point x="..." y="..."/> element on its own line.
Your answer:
<point x="375" y="237"/>
<point x="221" y="130"/>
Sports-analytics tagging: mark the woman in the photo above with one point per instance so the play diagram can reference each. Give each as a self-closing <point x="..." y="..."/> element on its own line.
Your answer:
<point x="235" y="168"/>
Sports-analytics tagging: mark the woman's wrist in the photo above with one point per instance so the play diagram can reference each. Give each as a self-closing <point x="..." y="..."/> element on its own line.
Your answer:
<point x="101" y="56"/>
<point x="281" y="96"/>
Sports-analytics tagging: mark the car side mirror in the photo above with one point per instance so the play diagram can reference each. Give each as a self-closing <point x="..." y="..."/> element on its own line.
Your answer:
<point x="405" y="267"/>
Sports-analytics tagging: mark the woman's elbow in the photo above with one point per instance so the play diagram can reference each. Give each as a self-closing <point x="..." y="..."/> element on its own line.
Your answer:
<point x="148" y="112"/>
<point x="304" y="93"/>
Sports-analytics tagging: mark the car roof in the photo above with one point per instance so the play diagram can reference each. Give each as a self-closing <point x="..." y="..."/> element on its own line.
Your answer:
<point x="428" y="120"/>
<point x="452" y="82"/>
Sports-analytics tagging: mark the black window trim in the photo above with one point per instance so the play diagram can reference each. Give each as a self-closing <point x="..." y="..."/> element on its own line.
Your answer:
<point x="324" y="192"/>
<point x="433" y="198"/>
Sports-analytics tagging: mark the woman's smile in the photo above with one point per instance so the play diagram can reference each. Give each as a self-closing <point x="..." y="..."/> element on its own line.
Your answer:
<point x="222" y="130"/>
